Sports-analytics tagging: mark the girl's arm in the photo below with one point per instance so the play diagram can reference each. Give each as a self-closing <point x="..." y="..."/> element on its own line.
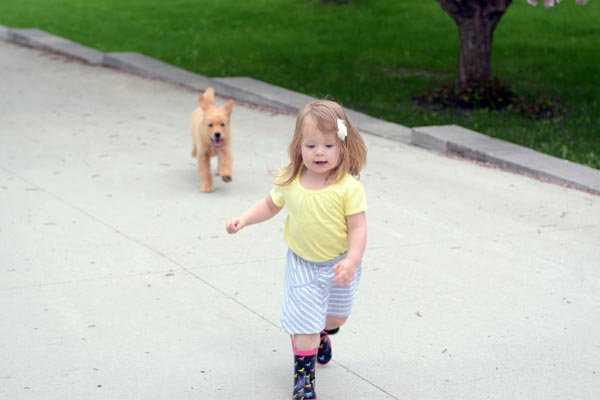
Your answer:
<point x="263" y="210"/>
<point x="357" y="240"/>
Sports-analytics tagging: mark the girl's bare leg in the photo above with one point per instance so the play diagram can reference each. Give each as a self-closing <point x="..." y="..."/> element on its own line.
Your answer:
<point x="306" y="342"/>
<point x="334" y="322"/>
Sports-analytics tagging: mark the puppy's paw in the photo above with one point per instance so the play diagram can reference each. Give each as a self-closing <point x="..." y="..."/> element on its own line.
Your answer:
<point x="206" y="188"/>
<point x="226" y="178"/>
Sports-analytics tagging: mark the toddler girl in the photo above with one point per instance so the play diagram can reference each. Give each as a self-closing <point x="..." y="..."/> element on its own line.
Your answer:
<point x="325" y="231"/>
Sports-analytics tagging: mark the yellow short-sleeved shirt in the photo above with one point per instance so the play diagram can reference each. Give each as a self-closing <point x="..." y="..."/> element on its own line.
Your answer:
<point x="316" y="227"/>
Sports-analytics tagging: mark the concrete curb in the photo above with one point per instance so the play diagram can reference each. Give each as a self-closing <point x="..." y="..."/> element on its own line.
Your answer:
<point x="152" y="68"/>
<point x="450" y="139"/>
<point x="43" y="40"/>
<point x="4" y="33"/>
<point x="133" y="62"/>
<point x="294" y="100"/>
<point x="453" y="139"/>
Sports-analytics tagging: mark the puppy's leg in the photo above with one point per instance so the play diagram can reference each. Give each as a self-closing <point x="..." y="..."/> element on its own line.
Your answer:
<point x="206" y="184"/>
<point x="194" y="145"/>
<point x="225" y="164"/>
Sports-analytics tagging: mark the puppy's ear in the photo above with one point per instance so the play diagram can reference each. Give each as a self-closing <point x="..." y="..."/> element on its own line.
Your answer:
<point x="203" y="102"/>
<point x="207" y="99"/>
<point x="229" y="107"/>
<point x="209" y="94"/>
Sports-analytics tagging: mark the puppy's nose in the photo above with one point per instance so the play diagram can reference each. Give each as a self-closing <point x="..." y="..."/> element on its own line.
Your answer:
<point x="217" y="135"/>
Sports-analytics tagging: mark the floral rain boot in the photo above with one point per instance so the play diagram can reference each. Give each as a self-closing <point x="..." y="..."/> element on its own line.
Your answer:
<point x="325" y="350"/>
<point x="304" y="374"/>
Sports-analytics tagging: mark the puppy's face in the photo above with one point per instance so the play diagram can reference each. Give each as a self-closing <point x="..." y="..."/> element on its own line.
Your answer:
<point x="216" y="126"/>
<point x="216" y="121"/>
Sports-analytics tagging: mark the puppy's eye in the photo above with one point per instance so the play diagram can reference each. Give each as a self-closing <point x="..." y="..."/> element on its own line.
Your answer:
<point x="222" y="124"/>
<point x="210" y="125"/>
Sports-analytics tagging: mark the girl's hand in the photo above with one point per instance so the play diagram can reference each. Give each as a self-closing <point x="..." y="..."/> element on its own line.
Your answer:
<point x="234" y="225"/>
<point x="344" y="271"/>
<point x="259" y="212"/>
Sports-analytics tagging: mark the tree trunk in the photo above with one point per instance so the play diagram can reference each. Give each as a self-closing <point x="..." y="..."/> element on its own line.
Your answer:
<point x="474" y="60"/>
<point x="476" y="20"/>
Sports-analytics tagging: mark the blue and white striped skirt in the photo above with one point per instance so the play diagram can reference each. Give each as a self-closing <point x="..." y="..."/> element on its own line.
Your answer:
<point x="309" y="295"/>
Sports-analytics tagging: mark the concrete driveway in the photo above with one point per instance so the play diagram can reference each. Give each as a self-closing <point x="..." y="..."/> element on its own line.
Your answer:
<point x="118" y="281"/>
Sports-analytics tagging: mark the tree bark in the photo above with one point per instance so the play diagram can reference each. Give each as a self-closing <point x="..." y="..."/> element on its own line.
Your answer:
<point x="476" y="21"/>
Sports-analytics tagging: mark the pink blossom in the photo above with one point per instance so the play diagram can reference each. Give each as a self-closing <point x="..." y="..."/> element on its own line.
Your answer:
<point x="547" y="3"/>
<point x="552" y="3"/>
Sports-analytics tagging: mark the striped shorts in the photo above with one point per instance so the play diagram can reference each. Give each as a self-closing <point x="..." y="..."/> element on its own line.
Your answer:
<point x="309" y="295"/>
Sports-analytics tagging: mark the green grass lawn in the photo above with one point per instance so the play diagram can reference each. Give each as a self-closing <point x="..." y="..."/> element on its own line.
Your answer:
<point x="371" y="55"/>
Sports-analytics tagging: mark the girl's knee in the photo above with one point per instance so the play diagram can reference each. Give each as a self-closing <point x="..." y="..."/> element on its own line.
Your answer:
<point x="305" y="342"/>
<point x="334" y="322"/>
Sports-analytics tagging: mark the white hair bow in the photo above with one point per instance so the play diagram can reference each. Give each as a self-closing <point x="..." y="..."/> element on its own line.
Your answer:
<point x="342" y="131"/>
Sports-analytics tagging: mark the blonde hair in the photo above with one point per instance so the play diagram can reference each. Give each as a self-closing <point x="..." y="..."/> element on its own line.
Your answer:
<point x="353" y="150"/>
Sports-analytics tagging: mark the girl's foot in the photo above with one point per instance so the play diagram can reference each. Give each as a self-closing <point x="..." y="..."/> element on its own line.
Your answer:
<point x="325" y="350"/>
<point x="304" y="375"/>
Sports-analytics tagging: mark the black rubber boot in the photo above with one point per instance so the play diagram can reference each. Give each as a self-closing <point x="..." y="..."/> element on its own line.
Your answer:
<point x="332" y="331"/>
<point x="304" y="374"/>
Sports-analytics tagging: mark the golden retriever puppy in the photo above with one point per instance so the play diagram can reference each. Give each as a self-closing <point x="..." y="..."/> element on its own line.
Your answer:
<point x="212" y="137"/>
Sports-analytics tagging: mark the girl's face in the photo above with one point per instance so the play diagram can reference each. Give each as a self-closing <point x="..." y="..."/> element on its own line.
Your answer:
<point x="320" y="151"/>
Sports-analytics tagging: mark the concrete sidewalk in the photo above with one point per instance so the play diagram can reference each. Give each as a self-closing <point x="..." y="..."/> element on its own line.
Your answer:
<point x="118" y="281"/>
